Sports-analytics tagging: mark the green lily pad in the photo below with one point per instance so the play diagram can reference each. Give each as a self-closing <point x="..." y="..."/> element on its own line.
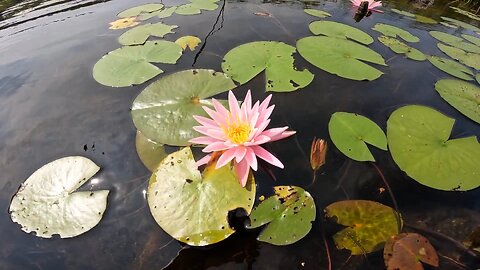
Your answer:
<point x="163" y="13"/>
<point x="340" y="30"/>
<point x="423" y="19"/>
<point x="404" y="13"/>
<point x="393" y="31"/>
<point x="369" y="225"/>
<point x="341" y="57"/>
<point x="47" y="203"/>
<point x="418" y="138"/>
<point x="350" y="132"/>
<point x="400" y="47"/>
<point x="193" y="207"/>
<point x="196" y="7"/>
<point x="131" y="65"/>
<point x="288" y="214"/>
<point x="468" y="59"/>
<point x="464" y="96"/>
<point x="150" y="152"/>
<point x="246" y="61"/>
<point x="466" y="13"/>
<point x="449" y="25"/>
<point x="317" y="13"/>
<point x="140" y="34"/>
<point x="455" y="41"/>
<point x="451" y="67"/>
<point x="461" y="24"/>
<point x="477" y="77"/>
<point x="135" y="11"/>
<point x="164" y="111"/>
<point x="472" y="39"/>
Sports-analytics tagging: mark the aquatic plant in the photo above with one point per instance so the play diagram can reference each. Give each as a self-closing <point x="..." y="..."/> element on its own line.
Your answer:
<point x="238" y="134"/>
<point x="372" y="4"/>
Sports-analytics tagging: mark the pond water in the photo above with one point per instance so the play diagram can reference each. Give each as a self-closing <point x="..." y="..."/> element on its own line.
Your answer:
<point x="51" y="107"/>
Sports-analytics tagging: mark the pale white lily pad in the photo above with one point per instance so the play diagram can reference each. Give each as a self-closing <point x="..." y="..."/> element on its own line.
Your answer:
<point x="47" y="203"/>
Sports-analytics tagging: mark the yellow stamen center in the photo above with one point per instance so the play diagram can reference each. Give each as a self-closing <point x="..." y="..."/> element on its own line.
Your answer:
<point x="238" y="132"/>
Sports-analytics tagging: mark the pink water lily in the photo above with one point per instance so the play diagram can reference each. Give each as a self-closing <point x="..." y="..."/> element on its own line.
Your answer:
<point x="238" y="133"/>
<point x="372" y="4"/>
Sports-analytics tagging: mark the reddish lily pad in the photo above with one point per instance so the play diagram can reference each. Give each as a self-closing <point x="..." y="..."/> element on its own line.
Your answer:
<point x="407" y="251"/>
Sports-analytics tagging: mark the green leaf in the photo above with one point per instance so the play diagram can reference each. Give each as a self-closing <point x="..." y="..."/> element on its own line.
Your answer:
<point x="400" y="47"/>
<point x="140" y="34"/>
<point x="461" y="24"/>
<point x="392" y="31"/>
<point x="477" y="77"/>
<point x="196" y="7"/>
<point x="350" y="132"/>
<point x="317" y="13"/>
<point x="47" y="203"/>
<point x="419" y="144"/>
<point x="131" y="65"/>
<point x="402" y="12"/>
<point x="135" y="11"/>
<point x="464" y="96"/>
<point x="451" y="67"/>
<point x="150" y="152"/>
<point x="423" y="19"/>
<point x="472" y="39"/>
<point x="449" y="25"/>
<point x="164" y="111"/>
<point x="340" y="30"/>
<point x="466" y="13"/>
<point x="164" y="13"/>
<point x="340" y="57"/>
<point x="468" y="59"/>
<point x="369" y="225"/>
<point x="455" y="41"/>
<point x="288" y="214"/>
<point x="193" y="207"/>
<point x="246" y="61"/>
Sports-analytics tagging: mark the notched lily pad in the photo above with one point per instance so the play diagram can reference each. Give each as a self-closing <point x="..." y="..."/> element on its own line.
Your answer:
<point x="464" y="96"/>
<point x="196" y="7"/>
<point x="131" y="65"/>
<point x="47" y="203"/>
<point x="393" y="31"/>
<point x="461" y="24"/>
<point x="400" y="47"/>
<point x="341" y="57"/>
<point x="317" y="13"/>
<point x="246" y="61"/>
<point x="340" y="30"/>
<point x="469" y="59"/>
<point x="350" y="132"/>
<point x="140" y="34"/>
<point x="369" y="225"/>
<point x="288" y="214"/>
<point x="164" y="111"/>
<point x="163" y="13"/>
<point x="418" y="138"/>
<point x="455" y="41"/>
<point x="451" y="67"/>
<point x="193" y="207"/>
<point x="150" y="152"/>
<point x="135" y="11"/>
<point x="124" y="23"/>
<point x="188" y="41"/>
<point x="407" y="251"/>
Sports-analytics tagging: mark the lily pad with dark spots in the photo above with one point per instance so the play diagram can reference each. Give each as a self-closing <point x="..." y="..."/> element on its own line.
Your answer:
<point x="393" y="31"/>
<point x="407" y="251"/>
<point x="140" y="34"/>
<point x="462" y="95"/>
<point x="451" y="67"/>
<point x="400" y="47"/>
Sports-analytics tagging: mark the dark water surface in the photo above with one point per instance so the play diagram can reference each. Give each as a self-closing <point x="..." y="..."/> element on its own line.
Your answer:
<point x="51" y="107"/>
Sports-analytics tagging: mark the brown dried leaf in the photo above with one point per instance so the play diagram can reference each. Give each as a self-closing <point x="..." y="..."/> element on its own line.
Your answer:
<point x="263" y="14"/>
<point x="406" y="251"/>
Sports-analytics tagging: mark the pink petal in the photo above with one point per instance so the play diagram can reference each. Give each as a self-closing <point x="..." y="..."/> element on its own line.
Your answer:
<point x="205" y="121"/>
<point x="222" y="111"/>
<point x="267" y="156"/>
<point x="251" y="158"/>
<point x="265" y="114"/>
<point x="247" y="105"/>
<point x="262" y="127"/>
<point x="274" y="131"/>
<point x="216" y="116"/>
<point x="203" y="160"/>
<point x="216" y="146"/>
<point x="265" y="103"/>
<point x="242" y="169"/>
<point x="225" y="158"/>
<point x="284" y="135"/>
<point x="210" y="132"/>
<point x="203" y="140"/>
<point x="260" y="139"/>
<point x="240" y="153"/>
<point x="234" y="108"/>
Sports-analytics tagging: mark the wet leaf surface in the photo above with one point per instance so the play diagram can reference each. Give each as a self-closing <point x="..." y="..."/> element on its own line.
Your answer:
<point x="451" y="67"/>
<point x="140" y="34"/>
<point x="462" y="95"/>
<point x="340" y="30"/>
<point x="400" y="47"/>
<point x="135" y="11"/>
<point x="47" y="203"/>
<point x="196" y="7"/>
<point x="193" y="207"/>
<point x="393" y="31"/>
<point x="288" y="214"/>
<point x="418" y="138"/>
<point x="163" y="13"/>
<point x="469" y="59"/>
<point x="150" y="152"/>
<point x="406" y="251"/>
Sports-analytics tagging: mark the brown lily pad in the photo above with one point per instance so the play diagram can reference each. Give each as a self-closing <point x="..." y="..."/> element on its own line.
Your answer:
<point x="407" y="251"/>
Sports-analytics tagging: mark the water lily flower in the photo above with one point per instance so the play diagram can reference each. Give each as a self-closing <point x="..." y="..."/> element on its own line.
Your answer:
<point x="372" y="4"/>
<point x="237" y="134"/>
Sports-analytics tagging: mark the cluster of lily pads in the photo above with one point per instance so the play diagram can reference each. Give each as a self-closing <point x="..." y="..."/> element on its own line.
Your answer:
<point x="193" y="206"/>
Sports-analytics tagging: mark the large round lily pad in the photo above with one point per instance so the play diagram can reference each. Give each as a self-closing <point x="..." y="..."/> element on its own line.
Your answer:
<point x="340" y="30"/>
<point x="131" y="65"/>
<point x="400" y="47"/>
<point x="350" y="132"/>
<point x="469" y="59"/>
<point x="451" y="67"/>
<point x="393" y="31"/>
<point x="47" y="203"/>
<point x="369" y="225"/>
<point x="164" y="111"/>
<point x="341" y="57"/>
<point x="150" y="152"/>
<point x="418" y="138"/>
<point x="193" y="207"/>
<point x="246" y="61"/>
<point x="135" y="11"/>
<point x="288" y="214"/>
<point x="140" y="34"/>
<point x="464" y="96"/>
<point x="455" y="41"/>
